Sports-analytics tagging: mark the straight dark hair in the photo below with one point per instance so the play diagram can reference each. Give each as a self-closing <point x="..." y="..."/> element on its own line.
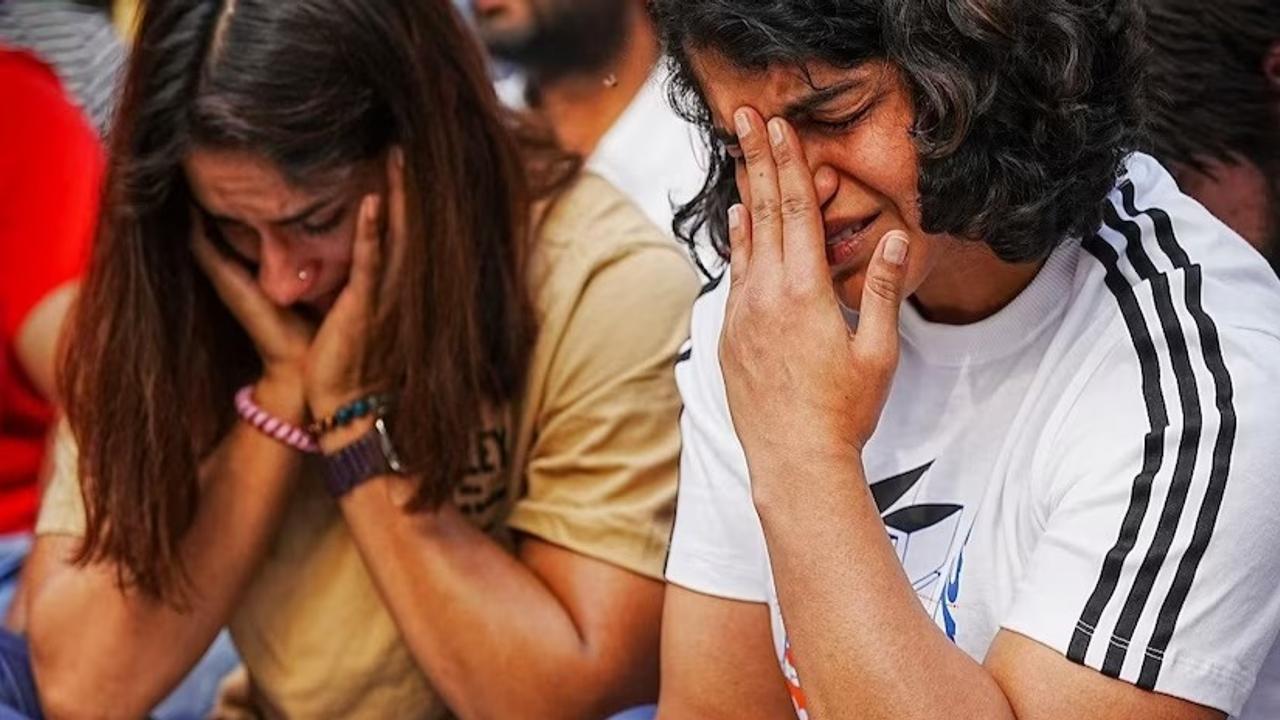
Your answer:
<point x="312" y="85"/>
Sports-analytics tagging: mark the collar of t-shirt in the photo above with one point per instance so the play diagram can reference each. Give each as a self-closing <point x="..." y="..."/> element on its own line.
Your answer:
<point x="1009" y="331"/>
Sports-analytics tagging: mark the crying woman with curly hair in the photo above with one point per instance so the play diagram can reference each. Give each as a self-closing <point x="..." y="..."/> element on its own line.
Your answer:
<point x="979" y="418"/>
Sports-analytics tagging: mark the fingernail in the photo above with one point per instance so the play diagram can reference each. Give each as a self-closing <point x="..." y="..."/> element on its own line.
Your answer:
<point x="743" y="124"/>
<point x="895" y="248"/>
<point x="775" y="132"/>
<point x="735" y="217"/>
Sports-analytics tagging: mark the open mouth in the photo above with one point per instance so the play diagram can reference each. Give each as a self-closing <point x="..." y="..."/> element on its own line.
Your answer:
<point x="845" y="243"/>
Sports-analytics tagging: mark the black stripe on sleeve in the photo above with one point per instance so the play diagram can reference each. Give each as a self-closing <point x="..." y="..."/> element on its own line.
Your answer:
<point x="1224" y="442"/>
<point x="1153" y="450"/>
<point x="1188" y="445"/>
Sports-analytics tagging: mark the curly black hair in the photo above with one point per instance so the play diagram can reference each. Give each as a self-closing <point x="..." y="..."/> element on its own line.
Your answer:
<point x="1025" y="109"/>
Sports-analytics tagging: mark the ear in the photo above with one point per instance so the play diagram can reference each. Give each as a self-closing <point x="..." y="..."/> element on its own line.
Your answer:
<point x="1271" y="66"/>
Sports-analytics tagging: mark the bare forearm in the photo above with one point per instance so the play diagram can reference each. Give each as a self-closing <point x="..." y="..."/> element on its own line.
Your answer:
<point x="115" y="648"/>
<point x="493" y="638"/>
<point x="863" y="643"/>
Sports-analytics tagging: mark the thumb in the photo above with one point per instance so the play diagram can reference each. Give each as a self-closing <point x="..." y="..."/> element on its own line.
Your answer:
<point x="876" y="341"/>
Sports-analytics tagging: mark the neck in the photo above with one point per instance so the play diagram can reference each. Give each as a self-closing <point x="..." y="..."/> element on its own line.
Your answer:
<point x="971" y="284"/>
<point x="582" y="107"/>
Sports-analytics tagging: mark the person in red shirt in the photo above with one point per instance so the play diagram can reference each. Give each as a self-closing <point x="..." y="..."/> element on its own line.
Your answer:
<point x="51" y="166"/>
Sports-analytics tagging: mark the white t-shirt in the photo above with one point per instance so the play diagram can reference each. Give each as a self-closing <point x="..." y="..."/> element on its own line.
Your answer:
<point x="1097" y="466"/>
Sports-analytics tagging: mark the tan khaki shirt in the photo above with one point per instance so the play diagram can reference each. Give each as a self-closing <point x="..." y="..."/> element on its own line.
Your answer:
<point x="586" y="461"/>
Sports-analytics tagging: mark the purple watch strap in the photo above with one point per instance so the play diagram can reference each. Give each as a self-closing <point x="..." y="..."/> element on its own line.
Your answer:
<point x="354" y="464"/>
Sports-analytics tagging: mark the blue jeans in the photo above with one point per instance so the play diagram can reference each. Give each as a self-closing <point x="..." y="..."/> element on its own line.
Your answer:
<point x="192" y="700"/>
<point x="18" y="698"/>
<point x="13" y="553"/>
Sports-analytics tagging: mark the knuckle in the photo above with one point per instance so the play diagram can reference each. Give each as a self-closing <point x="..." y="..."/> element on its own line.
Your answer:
<point x="782" y="154"/>
<point x="883" y="287"/>
<point x="765" y="209"/>
<point x="796" y="206"/>
<point x="756" y="299"/>
<point x="754" y="151"/>
<point x="799" y="288"/>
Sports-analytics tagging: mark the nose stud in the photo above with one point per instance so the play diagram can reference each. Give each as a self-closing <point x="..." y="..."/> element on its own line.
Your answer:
<point x="303" y="275"/>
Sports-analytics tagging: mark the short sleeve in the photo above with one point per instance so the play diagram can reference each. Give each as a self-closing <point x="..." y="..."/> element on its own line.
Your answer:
<point x="50" y="173"/>
<point x="1158" y="560"/>
<point x="717" y="546"/>
<point x="62" y="509"/>
<point x="601" y="470"/>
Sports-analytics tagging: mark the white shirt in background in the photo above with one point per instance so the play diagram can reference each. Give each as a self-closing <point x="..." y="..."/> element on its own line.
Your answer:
<point x="651" y="154"/>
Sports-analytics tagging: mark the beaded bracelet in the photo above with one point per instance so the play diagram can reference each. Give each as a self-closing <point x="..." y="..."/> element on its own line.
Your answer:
<point x="349" y="413"/>
<point x="272" y="426"/>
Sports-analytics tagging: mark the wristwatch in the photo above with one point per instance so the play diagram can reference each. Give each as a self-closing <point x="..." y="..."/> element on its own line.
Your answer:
<point x="370" y="456"/>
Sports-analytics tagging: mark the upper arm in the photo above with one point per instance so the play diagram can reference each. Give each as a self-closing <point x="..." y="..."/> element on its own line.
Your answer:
<point x="718" y="660"/>
<point x="1156" y="560"/>
<point x="36" y="344"/>
<point x="1041" y="684"/>
<point x="50" y="176"/>
<point x="717" y="544"/>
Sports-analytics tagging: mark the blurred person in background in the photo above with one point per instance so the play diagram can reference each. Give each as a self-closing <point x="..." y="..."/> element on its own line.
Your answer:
<point x="591" y="69"/>
<point x="366" y="369"/>
<point x="1215" y="71"/>
<point x="77" y="39"/>
<point x="51" y="168"/>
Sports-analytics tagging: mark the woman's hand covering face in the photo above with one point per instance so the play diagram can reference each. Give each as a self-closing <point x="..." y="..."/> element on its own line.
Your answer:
<point x="326" y="360"/>
<point x="795" y="375"/>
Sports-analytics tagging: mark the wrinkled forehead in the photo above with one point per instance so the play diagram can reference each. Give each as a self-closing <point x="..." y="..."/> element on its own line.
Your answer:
<point x="778" y="90"/>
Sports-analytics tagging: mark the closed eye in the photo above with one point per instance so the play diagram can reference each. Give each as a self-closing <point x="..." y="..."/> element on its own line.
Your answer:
<point x="324" y="226"/>
<point x="218" y="231"/>
<point x="844" y="123"/>
<point x="840" y="125"/>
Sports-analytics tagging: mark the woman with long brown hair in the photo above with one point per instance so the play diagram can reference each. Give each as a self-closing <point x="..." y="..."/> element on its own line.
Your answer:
<point x="367" y="372"/>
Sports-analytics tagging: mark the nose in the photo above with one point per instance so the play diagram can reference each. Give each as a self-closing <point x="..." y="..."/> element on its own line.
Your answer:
<point x="284" y="276"/>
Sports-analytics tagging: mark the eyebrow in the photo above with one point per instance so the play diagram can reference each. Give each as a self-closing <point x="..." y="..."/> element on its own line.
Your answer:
<point x="800" y="107"/>
<point x="291" y="219"/>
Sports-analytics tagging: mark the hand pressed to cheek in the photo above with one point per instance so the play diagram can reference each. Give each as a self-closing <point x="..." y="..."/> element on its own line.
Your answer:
<point x="335" y="368"/>
<point x="335" y="361"/>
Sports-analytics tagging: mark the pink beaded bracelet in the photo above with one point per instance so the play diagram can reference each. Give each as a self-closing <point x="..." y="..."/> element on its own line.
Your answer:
<point x="291" y="435"/>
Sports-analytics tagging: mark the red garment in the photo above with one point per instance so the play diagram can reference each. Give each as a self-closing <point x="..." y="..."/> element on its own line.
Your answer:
<point x="51" y="167"/>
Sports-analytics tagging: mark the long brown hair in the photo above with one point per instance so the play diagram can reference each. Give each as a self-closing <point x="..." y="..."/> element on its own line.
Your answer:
<point x="313" y="85"/>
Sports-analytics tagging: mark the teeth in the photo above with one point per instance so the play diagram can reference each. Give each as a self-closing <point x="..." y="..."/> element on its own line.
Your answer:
<point x="846" y="234"/>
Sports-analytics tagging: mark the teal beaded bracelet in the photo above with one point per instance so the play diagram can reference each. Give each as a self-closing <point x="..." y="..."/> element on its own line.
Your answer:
<point x="349" y="413"/>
